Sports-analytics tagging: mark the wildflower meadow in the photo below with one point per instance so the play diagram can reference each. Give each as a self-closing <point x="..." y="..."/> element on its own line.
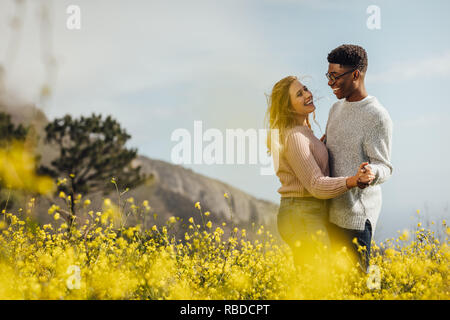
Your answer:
<point x="102" y="256"/>
<point x="99" y="259"/>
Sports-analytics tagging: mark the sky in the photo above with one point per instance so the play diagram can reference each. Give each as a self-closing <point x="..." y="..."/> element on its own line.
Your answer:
<point x="158" y="66"/>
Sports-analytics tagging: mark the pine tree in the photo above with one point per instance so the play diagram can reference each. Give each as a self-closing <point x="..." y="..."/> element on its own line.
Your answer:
<point x="91" y="152"/>
<point x="10" y="132"/>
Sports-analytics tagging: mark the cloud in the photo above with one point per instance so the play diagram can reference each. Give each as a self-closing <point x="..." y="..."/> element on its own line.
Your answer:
<point x="437" y="65"/>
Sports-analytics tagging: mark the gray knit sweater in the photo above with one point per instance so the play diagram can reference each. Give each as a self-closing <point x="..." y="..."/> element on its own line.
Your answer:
<point x="358" y="132"/>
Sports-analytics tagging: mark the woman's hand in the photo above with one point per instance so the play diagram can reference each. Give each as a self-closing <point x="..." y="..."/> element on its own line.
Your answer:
<point x="366" y="178"/>
<point x="363" y="177"/>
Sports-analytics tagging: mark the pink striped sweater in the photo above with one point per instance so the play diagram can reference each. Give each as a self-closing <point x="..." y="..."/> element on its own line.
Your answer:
<point x="303" y="167"/>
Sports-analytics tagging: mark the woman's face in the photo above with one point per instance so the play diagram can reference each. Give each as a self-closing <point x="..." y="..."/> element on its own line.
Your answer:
<point x="301" y="98"/>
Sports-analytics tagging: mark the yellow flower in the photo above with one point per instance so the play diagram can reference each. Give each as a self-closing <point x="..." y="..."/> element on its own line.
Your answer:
<point x="405" y="235"/>
<point x="52" y="209"/>
<point x="191" y="220"/>
<point x="207" y="213"/>
<point x="209" y="224"/>
<point x="225" y="195"/>
<point x="390" y="252"/>
<point x="62" y="194"/>
<point x="197" y="205"/>
<point x="87" y="202"/>
<point x="56" y="216"/>
<point x="17" y="169"/>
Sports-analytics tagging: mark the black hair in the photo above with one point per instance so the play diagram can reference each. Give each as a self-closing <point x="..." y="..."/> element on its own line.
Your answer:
<point x="349" y="55"/>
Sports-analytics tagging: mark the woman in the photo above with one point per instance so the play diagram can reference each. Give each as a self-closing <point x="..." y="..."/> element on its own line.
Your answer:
<point x="301" y="164"/>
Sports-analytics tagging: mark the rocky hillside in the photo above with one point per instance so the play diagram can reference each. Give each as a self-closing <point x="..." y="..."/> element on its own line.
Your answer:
<point x="176" y="189"/>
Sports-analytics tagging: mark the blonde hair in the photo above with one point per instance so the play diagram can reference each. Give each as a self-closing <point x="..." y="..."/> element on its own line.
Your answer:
<point x="280" y="114"/>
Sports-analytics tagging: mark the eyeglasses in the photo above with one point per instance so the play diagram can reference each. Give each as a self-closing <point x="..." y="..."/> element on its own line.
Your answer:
<point x="333" y="78"/>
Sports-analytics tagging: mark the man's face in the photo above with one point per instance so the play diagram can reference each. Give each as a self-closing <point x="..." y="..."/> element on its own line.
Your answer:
<point x="343" y="86"/>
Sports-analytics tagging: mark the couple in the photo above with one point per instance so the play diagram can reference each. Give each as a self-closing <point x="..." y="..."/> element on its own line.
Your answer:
<point x="346" y="166"/>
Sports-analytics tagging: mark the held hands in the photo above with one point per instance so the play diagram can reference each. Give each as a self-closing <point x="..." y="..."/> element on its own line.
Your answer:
<point x="363" y="177"/>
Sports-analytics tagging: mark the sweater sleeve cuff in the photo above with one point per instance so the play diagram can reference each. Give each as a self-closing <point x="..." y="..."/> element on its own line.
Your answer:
<point x="344" y="182"/>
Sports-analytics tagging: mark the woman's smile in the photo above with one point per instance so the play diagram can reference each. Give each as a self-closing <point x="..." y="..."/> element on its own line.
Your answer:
<point x="309" y="102"/>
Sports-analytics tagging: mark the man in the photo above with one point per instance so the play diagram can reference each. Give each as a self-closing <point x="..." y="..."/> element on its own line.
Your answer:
<point x="359" y="129"/>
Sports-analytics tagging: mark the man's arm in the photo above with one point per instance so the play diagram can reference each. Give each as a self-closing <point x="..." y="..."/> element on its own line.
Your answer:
<point x="377" y="147"/>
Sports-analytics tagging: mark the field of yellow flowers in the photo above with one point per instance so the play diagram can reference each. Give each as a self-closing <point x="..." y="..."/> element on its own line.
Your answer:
<point x="101" y="258"/>
<point x="102" y="255"/>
